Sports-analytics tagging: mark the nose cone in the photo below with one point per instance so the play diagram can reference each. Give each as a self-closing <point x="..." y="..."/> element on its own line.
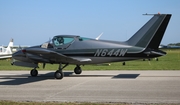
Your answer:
<point x="19" y="55"/>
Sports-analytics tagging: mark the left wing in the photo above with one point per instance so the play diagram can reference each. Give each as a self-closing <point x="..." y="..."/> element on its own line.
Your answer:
<point x="53" y="56"/>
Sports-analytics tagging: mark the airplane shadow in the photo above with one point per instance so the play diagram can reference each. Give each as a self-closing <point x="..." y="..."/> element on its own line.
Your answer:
<point x="24" y="79"/>
<point x="126" y="76"/>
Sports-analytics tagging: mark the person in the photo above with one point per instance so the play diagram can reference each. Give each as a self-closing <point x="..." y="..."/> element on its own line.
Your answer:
<point x="61" y="40"/>
<point x="58" y="41"/>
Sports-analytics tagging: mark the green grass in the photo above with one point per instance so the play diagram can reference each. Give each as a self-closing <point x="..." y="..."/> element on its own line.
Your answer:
<point x="171" y="61"/>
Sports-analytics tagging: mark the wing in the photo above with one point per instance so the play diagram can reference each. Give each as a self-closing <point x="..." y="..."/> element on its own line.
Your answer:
<point x="45" y="55"/>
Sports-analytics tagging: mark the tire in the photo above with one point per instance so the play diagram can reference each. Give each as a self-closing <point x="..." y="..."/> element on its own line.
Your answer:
<point x="34" y="72"/>
<point x="77" y="70"/>
<point x="58" y="74"/>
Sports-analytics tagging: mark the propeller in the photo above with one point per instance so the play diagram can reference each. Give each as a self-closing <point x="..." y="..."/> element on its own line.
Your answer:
<point x="45" y="45"/>
<point x="20" y="48"/>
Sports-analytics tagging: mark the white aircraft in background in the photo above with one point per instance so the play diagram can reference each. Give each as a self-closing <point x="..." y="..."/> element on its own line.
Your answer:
<point x="6" y="52"/>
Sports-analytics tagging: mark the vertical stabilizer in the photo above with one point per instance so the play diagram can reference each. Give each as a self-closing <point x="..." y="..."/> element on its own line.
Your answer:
<point x="151" y="34"/>
<point x="10" y="43"/>
<point x="9" y="47"/>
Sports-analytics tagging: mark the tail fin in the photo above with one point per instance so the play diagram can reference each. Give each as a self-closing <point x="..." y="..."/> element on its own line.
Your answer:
<point x="151" y="34"/>
<point x="10" y="45"/>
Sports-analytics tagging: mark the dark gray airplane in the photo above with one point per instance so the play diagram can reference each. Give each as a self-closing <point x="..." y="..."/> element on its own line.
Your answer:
<point x="72" y="49"/>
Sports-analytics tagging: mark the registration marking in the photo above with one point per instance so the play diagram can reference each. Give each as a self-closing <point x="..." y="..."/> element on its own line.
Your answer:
<point x="110" y="52"/>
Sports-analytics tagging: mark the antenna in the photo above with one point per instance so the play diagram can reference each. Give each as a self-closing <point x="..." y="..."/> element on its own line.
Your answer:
<point x="99" y="36"/>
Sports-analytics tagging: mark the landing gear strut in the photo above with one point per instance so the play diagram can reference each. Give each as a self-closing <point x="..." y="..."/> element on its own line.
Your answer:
<point x="34" y="72"/>
<point x="59" y="73"/>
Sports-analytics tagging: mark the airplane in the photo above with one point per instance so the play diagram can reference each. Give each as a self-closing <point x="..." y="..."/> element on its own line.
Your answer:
<point x="76" y="50"/>
<point x="6" y="52"/>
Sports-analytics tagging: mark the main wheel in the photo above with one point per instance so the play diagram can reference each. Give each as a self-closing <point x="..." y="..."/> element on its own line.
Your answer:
<point x="77" y="70"/>
<point x="58" y="74"/>
<point x="34" y="72"/>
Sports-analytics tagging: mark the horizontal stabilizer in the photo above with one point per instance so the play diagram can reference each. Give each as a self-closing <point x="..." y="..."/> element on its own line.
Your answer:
<point x="155" y="53"/>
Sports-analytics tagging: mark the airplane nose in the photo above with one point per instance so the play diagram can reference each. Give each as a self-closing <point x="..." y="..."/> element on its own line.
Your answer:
<point x="19" y="55"/>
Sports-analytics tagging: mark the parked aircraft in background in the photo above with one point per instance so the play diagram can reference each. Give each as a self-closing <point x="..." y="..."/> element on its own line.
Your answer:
<point x="6" y="52"/>
<point x="72" y="49"/>
<point x="169" y="47"/>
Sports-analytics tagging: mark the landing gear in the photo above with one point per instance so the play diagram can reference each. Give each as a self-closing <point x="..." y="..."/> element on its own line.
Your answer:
<point x="77" y="70"/>
<point x="59" y="73"/>
<point x="34" y="72"/>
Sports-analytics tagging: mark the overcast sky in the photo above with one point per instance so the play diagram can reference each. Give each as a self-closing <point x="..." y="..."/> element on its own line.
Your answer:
<point x="32" y="22"/>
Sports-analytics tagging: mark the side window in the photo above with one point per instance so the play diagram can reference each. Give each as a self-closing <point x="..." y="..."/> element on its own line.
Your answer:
<point x="68" y="40"/>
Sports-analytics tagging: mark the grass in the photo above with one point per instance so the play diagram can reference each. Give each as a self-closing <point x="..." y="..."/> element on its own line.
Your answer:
<point x="171" y="61"/>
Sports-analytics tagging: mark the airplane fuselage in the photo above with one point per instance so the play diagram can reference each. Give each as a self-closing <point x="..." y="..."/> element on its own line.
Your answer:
<point x="98" y="51"/>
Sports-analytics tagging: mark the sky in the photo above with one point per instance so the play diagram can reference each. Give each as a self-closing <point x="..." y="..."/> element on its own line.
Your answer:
<point x="33" y="22"/>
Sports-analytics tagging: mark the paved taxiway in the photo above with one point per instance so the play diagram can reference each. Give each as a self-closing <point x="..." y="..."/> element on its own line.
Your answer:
<point x="92" y="86"/>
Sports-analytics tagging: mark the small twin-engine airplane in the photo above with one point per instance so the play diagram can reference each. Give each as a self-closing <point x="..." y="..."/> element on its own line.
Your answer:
<point x="72" y="49"/>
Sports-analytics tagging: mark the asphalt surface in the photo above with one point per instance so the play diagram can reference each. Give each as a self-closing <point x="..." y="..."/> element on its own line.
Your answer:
<point x="92" y="86"/>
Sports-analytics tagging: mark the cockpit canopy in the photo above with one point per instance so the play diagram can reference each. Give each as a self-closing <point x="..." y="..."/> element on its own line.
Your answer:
<point x="62" y="41"/>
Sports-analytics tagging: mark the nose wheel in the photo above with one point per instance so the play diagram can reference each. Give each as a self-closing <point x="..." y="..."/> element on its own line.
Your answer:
<point x="77" y="70"/>
<point x="34" y="72"/>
